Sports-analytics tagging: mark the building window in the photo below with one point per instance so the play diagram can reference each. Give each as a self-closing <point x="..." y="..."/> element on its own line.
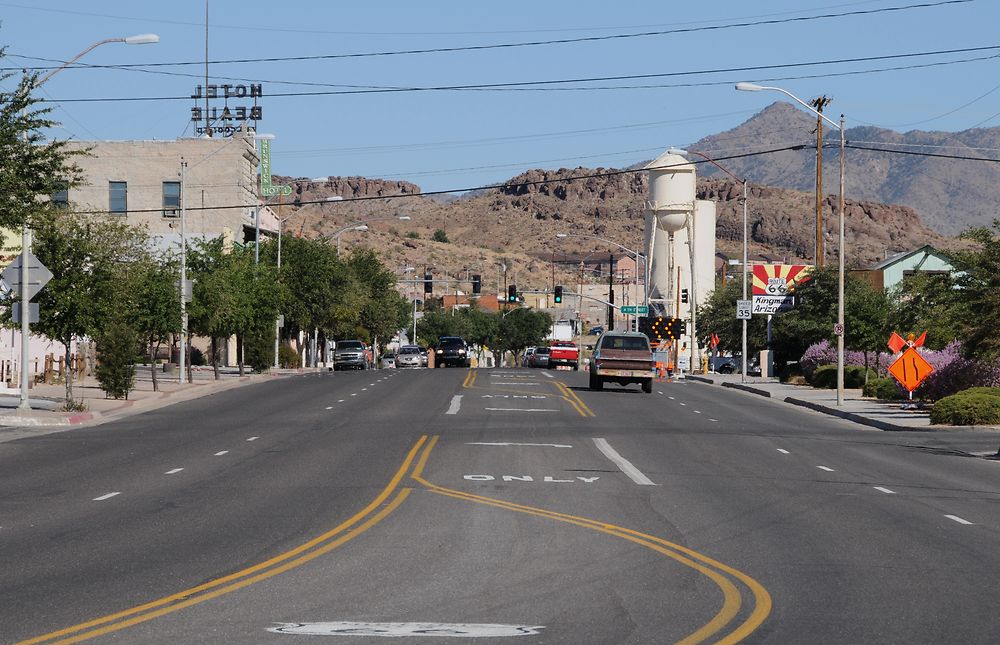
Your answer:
<point x="60" y="198"/>
<point x="117" y="197"/>
<point x="171" y="199"/>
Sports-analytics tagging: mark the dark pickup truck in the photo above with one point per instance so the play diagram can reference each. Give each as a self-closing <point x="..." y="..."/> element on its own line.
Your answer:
<point x="622" y="357"/>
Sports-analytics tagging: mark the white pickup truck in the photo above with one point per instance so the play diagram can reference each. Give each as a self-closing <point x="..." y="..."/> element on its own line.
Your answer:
<point x="622" y="357"/>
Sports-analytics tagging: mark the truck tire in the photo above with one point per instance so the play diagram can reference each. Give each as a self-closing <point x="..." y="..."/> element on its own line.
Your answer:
<point x="647" y="386"/>
<point x="595" y="382"/>
<point x="576" y="366"/>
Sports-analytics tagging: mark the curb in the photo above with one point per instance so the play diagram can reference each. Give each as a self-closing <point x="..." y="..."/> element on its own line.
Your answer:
<point x="856" y="418"/>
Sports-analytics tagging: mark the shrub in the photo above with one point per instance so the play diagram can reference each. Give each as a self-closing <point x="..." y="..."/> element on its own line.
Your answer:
<point x="413" y="235"/>
<point x="824" y="353"/>
<point x="116" y="349"/>
<point x="288" y="357"/>
<point x="886" y="389"/>
<point x="440" y="236"/>
<point x="964" y="408"/>
<point x="197" y="356"/>
<point x="854" y="376"/>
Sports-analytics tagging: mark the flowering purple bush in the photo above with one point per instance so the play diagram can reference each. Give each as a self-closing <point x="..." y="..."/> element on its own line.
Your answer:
<point x="823" y="353"/>
<point x="952" y="372"/>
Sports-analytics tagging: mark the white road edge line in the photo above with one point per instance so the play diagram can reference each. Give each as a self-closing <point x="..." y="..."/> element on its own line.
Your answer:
<point x="108" y="496"/>
<point x="456" y="404"/>
<point x="174" y="471"/>
<point x="885" y="490"/>
<point x="546" y="374"/>
<point x="623" y="464"/>
<point x="950" y="517"/>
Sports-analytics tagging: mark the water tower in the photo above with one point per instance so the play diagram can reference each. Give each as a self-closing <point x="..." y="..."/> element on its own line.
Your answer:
<point x="668" y="209"/>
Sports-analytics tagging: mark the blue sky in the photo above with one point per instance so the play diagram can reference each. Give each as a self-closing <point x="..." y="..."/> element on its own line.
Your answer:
<point x="455" y="139"/>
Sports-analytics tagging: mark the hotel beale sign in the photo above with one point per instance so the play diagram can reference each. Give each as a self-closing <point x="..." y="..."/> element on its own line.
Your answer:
<point x="225" y="120"/>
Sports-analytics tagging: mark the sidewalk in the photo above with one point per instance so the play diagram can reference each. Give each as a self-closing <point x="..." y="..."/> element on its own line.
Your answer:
<point x="870" y="412"/>
<point x="47" y="400"/>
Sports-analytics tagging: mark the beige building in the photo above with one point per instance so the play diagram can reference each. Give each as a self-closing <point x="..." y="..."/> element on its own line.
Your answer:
<point x="141" y="181"/>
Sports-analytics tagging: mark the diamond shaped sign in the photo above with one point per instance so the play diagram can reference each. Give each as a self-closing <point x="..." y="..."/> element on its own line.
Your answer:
<point x="911" y="369"/>
<point x="38" y="274"/>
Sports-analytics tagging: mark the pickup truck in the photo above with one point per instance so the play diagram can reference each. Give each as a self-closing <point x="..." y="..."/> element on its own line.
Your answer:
<point x="564" y="352"/>
<point x="622" y="357"/>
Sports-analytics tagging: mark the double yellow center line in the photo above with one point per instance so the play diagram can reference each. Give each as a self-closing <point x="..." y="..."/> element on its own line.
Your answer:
<point x="387" y="501"/>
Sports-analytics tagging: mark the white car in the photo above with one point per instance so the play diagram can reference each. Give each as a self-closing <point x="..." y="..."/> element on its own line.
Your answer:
<point x="410" y="356"/>
<point x="526" y="359"/>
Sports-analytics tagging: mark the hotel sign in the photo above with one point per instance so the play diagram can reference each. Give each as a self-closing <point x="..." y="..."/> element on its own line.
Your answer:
<point x="227" y="119"/>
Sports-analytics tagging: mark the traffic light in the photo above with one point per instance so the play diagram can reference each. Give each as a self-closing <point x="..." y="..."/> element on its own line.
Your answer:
<point x="477" y="284"/>
<point x="512" y="293"/>
<point x="558" y="297"/>
<point x="428" y="283"/>
<point x="684" y="295"/>
<point x="646" y="327"/>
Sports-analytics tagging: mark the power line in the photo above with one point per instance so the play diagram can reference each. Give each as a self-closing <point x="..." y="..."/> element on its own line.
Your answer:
<point x="529" y="85"/>
<point x="559" y="41"/>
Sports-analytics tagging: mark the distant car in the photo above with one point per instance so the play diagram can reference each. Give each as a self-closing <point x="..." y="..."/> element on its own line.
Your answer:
<point x="389" y="361"/>
<point x="596" y="330"/>
<point x="540" y="357"/>
<point x="350" y="355"/>
<point x="526" y="359"/>
<point x="451" y="350"/>
<point x="409" y="356"/>
<point x="423" y="357"/>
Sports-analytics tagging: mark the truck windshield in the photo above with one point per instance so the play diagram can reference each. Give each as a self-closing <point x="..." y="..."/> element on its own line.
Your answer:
<point x="625" y="342"/>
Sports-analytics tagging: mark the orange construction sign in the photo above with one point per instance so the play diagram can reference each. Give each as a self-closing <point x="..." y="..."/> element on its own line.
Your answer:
<point x="910" y="369"/>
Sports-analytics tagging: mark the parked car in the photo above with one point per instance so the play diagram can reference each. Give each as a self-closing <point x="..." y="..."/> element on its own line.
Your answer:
<point x="423" y="357"/>
<point x="526" y="359"/>
<point x="389" y="361"/>
<point x="451" y="350"/>
<point x="351" y="355"/>
<point x="410" y="356"/>
<point x="596" y="330"/>
<point x="540" y="357"/>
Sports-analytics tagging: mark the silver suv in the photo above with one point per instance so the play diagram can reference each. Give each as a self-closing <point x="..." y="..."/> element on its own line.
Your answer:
<point x="350" y="355"/>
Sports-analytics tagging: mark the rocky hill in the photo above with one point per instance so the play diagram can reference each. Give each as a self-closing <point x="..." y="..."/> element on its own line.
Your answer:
<point x="950" y="195"/>
<point x="515" y="225"/>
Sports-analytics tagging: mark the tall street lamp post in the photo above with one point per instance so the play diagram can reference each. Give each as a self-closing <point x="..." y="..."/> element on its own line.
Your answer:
<point x="839" y="328"/>
<point x="743" y="371"/>
<point x="139" y="39"/>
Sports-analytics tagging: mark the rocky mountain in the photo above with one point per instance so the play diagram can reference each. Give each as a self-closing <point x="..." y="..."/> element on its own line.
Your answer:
<point x="516" y="225"/>
<point x="950" y="195"/>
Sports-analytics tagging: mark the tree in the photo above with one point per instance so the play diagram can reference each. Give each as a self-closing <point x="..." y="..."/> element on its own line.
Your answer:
<point x="30" y="166"/>
<point x="233" y="295"/>
<point x="117" y="346"/>
<point x="718" y="316"/>
<point x="88" y="257"/>
<point x="155" y="305"/>
<point x="384" y="310"/>
<point x="521" y="328"/>
<point x="977" y="283"/>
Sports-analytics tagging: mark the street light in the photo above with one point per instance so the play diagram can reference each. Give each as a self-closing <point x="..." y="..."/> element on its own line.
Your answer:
<point x="362" y="225"/>
<point x="636" y="254"/>
<point x="678" y="151"/>
<point x="139" y="39"/>
<point x="839" y="329"/>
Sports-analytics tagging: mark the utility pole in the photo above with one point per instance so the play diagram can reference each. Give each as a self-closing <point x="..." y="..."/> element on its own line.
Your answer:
<point x="819" y="104"/>
<point x="611" y="291"/>
<point x="183" y="282"/>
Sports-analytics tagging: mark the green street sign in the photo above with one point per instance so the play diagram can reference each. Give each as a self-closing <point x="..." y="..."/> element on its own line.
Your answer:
<point x="628" y="309"/>
<point x="642" y="310"/>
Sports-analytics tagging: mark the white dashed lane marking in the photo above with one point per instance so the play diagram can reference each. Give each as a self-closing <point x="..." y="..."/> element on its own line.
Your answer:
<point x="623" y="464"/>
<point x="253" y="438"/>
<point x="456" y="404"/>
<point x="108" y="496"/>
<point x="174" y="471"/>
<point x="783" y="451"/>
<point x="221" y="452"/>
<point x="958" y="519"/>
<point x="885" y="490"/>
<point x="826" y="468"/>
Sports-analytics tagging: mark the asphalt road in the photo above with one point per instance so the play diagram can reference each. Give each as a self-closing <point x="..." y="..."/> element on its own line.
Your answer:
<point x="499" y="504"/>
